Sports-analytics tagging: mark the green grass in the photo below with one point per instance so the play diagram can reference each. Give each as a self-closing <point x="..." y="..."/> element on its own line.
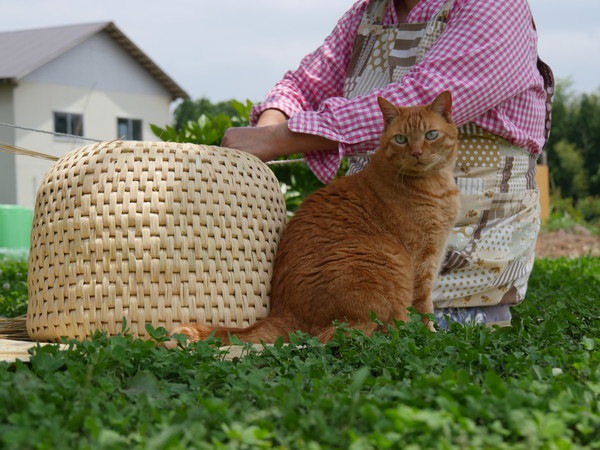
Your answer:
<point x="534" y="385"/>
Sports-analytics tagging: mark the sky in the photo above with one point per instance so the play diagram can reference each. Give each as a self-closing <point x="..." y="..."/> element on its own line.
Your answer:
<point x="240" y="48"/>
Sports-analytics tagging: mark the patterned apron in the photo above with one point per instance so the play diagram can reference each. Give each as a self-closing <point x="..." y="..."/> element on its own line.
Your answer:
<point x="491" y="248"/>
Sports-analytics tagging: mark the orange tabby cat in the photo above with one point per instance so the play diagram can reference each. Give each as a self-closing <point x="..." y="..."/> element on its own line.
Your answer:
<point x="372" y="241"/>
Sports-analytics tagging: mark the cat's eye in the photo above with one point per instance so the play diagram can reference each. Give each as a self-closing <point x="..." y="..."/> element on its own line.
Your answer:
<point x="431" y="135"/>
<point x="400" y="139"/>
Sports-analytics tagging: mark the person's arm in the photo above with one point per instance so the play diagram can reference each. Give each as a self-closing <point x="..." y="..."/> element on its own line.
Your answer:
<point x="271" y="117"/>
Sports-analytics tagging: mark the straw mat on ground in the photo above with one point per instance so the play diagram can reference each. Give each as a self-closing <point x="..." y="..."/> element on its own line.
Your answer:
<point x="14" y="328"/>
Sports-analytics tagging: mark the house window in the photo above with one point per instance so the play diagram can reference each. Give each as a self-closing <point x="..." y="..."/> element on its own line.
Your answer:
<point x="68" y="123"/>
<point x="129" y="129"/>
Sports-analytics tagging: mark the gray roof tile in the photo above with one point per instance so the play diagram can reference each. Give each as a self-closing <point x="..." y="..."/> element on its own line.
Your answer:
<point x="22" y="52"/>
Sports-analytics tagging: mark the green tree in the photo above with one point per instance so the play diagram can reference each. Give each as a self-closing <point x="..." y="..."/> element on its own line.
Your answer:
<point x="588" y="126"/>
<point x="575" y="121"/>
<point x="562" y="116"/>
<point x="570" y="172"/>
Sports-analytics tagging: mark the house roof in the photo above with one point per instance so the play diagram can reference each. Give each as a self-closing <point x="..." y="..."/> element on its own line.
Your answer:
<point x="22" y="52"/>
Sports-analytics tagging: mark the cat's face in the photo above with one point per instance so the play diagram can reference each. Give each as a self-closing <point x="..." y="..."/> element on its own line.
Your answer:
<point x="419" y="140"/>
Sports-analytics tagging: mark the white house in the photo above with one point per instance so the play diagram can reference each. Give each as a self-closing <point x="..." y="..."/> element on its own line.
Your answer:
<point x="87" y="80"/>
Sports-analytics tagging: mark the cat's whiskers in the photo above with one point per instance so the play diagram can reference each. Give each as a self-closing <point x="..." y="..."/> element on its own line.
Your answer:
<point x="399" y="179"/>
<point x="437" y="161"/>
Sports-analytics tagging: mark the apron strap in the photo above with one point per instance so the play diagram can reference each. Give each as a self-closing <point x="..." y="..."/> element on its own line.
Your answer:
<point x="548" y="77"/>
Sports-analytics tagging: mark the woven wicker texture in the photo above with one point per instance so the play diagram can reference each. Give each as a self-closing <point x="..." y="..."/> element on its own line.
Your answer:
<point x="159" y="233"/>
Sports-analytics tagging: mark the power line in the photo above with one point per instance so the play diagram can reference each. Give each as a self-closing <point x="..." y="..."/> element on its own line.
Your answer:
<point x="53" y="133"/>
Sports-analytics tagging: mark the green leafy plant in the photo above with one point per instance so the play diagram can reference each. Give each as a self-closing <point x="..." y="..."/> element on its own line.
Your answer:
<point x="534" y="385"/>
<point x="191" y="110"/>
<point x="590" y="211"/>
<point x="13" y="287"/>
<point x="207" y="129"/>
<point x="566" y="214"/>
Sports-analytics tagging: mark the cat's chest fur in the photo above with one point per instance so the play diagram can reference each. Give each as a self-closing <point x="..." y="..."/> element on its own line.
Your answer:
<point x="419" y="212"/>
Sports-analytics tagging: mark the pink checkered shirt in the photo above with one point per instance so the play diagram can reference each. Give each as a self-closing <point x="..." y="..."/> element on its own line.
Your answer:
<point x="486" y="57"/>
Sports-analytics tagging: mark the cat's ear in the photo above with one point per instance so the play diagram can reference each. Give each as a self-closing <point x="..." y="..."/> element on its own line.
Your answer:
<point x="390" y="112"/>
<point x="442" y="105"/>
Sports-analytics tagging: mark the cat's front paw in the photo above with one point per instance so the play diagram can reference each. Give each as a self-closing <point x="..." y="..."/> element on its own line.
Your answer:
<point x="429" y="324"/>
<point x="431" y="327"/>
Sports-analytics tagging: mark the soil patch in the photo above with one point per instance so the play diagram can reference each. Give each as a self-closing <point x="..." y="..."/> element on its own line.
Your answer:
<point x="567" y="243"/>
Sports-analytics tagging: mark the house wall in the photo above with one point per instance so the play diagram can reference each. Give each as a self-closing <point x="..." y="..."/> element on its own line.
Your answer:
<point x="98" y="63"/>
<point x="8" y="194"/>
<point x="96" y="79"/>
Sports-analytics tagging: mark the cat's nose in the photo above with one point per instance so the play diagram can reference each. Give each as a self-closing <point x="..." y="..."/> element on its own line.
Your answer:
<point x="416" y="153"/>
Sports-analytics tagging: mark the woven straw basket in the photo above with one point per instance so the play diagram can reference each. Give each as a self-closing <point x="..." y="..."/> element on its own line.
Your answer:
<point x="159" y="233"/>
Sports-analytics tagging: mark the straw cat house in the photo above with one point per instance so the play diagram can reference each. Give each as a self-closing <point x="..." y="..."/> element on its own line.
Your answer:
<point x="159" y="233"/>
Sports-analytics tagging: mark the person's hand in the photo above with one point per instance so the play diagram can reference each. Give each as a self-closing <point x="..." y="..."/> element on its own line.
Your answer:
<point x="260" y="143"/>
<point x="264" y="142"/>
<point x="270" y="141"/>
